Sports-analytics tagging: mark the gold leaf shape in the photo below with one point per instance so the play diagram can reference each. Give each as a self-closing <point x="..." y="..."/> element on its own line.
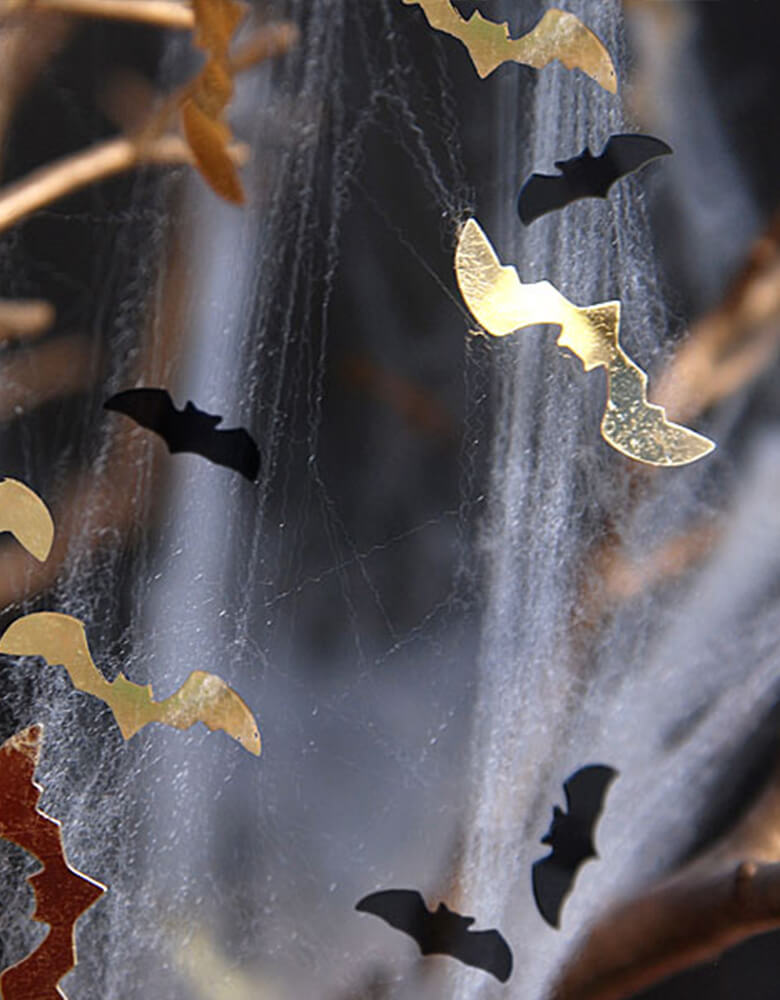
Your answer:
<point x="26" y="516"/>
<point x="559" y="35"/>
<point x="62" y="894"/>
<point x="501" y="304"/>
<point x="61" y="639"/>
<point x="211" y="90"/>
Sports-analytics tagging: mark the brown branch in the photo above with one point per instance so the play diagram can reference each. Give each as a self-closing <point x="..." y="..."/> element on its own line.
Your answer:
<point x="729" y="894"/>
<point x="159" y="13"/>
<point x="26" y="46"/>
<point x="106" y="159"/>
<point x="115" y="156"/>
<point x="269" y="41"/>
<point x="734" y="343"/>
<point x="24" y="319"/>
<point x="617" y="576"/>
<point x="58" y="367"/>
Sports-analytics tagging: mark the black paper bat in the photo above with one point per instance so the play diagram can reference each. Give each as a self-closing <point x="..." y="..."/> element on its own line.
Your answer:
<point x="189" y="429"/>
<point x="571" y="838"/>
<point x="441" y="931"/>
<point x="586" y="175"/>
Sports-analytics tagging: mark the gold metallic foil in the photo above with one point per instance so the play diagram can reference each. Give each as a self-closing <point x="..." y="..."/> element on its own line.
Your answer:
<point x="559" y="35"/>
<point x="202" y="698"/>
<point x="501" y="304"/>
<point x="26" y="516"/>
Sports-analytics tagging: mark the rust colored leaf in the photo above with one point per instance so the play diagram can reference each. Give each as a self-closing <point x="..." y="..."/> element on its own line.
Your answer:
<point x="203" y="107"/>
<point x="61" y="893"/>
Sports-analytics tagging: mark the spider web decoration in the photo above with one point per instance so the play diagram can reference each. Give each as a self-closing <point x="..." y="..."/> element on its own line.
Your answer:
<point x="444" y="588"/>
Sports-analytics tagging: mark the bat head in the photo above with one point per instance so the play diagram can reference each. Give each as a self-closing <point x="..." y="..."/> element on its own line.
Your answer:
<point x="205" y="418"/>
<point x="576" y="165"/>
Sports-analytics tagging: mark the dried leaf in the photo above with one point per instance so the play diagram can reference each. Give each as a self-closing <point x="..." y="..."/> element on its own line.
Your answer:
<point x="26" y="516"/>
<point x="559" y="35"/>
<point x="202" y="108"/>
<point x="61" y="639"/>
<point x="501" y="303"/>
<point x="62" y="894"/>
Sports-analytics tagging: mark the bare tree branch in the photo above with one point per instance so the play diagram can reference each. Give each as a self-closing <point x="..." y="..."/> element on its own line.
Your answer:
<point x="106" y="159"/>
<point x="160" y="13"/>
<point x="24" y="319"/>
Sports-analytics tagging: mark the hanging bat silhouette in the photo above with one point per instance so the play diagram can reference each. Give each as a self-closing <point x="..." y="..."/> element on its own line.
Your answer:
<point x="571" y="838"/>
<point x="440" y="932"/>
<point x="501" y="304"/>
<point x="558" y="35"/>
<point x="586" y="175"/>
<point x="62" y="894"/>
<point x="189" y="429"/>
<point x="202" y="697"/>
<point x="26" y="516"/>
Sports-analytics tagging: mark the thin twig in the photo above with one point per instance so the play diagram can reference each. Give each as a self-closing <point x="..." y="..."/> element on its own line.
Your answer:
<point x="106" y="159"/>
<point x="159" y="13"/>
<point x="25" y="319"/>
<point x="114" y="156"/>
<point x="54" y="368"/>
<point x="26" y="46"/>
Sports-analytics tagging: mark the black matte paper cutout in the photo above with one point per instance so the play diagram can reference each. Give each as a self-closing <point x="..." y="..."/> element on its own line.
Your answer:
<point x="571" y="838"/>
<point x="189" y="429"/>
<point x="586" y="175"/>
<point x="440" y="932"/>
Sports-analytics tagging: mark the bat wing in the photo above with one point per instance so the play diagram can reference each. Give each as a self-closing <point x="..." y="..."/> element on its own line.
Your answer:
<point x="551" y="882"/>
<point x="233" y="448"/>
<point x="403" y="909"/>
<point x="587" y="177"/>
<point x="540" y="194"/>
<point x="623" y="154"/>
<point x="150" y="408"/>
<point x="26" y="516"/>
<point x="493" y="292"/>
<point x="585" y="792"/>
<point x="485" y="950"/>
<point x="640" y="429"/>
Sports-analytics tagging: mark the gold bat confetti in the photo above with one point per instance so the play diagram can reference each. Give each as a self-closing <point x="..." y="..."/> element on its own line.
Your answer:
<point x="62" y="894"/>
<point x="61" y="639"/>
<point x="26" y="516"/>
<point x="501" y="304"/>
<point x="559" y="35"/>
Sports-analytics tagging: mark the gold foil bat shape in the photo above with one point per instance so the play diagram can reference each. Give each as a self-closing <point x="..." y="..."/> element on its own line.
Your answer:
<point x="501" y="304"/>
<point x="26" y="516"/>
<point x="61" y="639"/>
<point x="559" y="35"/>
<point x="62" y="894"/>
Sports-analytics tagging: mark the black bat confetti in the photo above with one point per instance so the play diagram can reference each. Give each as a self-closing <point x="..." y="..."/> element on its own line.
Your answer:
<point x="571" y="838"/>
<point x="586" y="175"/>
<point x="440" y="932"/>
<point x="189" y="429"/>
